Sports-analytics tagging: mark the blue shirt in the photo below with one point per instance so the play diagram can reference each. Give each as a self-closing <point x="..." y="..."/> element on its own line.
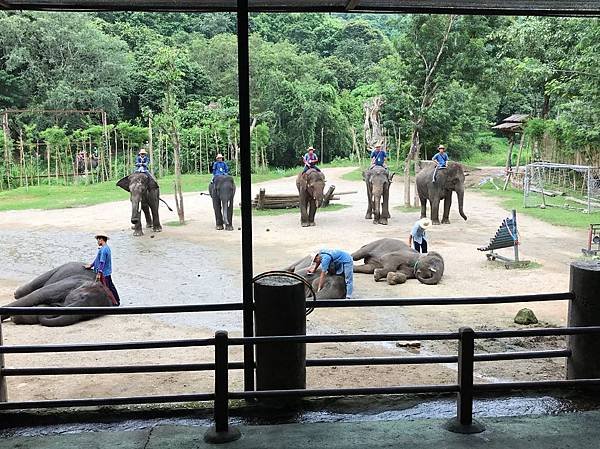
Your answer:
<point x="335" y="256"/>
<point x="103" y="261"/>
<point x="379" y="156"/>
<point x="441" y="159"/>
<point x="418" y="233"/>
<point x="310" y="159"/>
<point x="141" y="163"/>
<point x="220" y="168"/>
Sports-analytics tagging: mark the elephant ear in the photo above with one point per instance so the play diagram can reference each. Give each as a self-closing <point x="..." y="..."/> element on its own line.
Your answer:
<point x="124" y="183"/>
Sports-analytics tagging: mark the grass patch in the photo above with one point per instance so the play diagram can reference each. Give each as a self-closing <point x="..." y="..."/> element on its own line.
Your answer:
<point x="174" y="223"/>
<point x="490" y="151"/>
<point x="513" y="199"/>
<point x="291" y="210"/>
<point x="408" y="209"/>
<point x="354" y="175"/>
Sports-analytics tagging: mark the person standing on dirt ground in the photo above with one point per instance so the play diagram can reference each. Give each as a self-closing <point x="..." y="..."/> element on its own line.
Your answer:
<point x="102" y="266"/>
<point x="340" y="262"/>
<point x="417" y="236"/>
<point x="441" y="160"/>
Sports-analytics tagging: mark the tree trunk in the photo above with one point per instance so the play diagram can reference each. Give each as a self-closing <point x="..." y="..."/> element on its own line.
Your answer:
<point x="372" y="126"/>
<point x="177" y="162"/>
<point x="150" y="142"/>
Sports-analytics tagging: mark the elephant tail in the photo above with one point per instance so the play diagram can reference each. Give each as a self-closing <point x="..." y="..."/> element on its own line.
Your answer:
<point x="62" y="320"/>
<point x="166" y="204"/>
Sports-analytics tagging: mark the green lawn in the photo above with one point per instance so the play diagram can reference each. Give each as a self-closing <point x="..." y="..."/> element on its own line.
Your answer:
<point x="513" y="199"/>
<point x="490" y="152"/>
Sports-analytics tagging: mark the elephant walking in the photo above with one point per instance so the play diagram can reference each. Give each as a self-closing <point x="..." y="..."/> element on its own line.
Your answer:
<point x="447" y="180"/>
<point x="69" y="285"/>
<point x="378" y="182"/>
<point x="310" y="192"/>
<point x="145" y="196"/>
<point x="335" y="284"/>
<point x="394" y="260"/>
<point x="222" y="192"/>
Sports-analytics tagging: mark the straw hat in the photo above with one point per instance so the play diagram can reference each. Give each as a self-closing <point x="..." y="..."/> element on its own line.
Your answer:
<point x="104" y="235"/>
<point x="441" y="147"/>
<point x="220" y="156"/>
<point x="310" y="148"/>
<point x="143" y="151"/>
<point x="424" y="223"/>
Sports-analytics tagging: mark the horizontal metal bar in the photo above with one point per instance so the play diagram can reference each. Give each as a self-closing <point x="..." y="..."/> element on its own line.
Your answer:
<point x="99" y="402"/>
<point x="135" y="310"/>
<point x="475" y="300"/>
<point x="359" y="361"/>
<point x="51" y="371"/>
<point x="351" y="338"/>
<point x="538" y="332"/>
<point x="449" y="388"/>
<point x="537" y="385"/>
<point x="82" y="347"/>
<point x="521" y="355"/>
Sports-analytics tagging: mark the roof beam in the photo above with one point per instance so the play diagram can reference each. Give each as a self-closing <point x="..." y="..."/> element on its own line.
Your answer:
<point x="351" y="4"/>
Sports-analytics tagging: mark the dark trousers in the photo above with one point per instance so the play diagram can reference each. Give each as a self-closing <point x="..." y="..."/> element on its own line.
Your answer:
<point x="421" y="247"/>
<point x="306" y="168"/>
<point x="109" y="283"/>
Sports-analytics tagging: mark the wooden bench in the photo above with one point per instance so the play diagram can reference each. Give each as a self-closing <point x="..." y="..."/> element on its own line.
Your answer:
<point x="507" y="236"/>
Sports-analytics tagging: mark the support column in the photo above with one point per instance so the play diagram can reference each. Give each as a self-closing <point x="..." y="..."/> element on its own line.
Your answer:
<point x="3" y="390"/>
<point x="584" y="310"/>
<point x="245" y="187"/>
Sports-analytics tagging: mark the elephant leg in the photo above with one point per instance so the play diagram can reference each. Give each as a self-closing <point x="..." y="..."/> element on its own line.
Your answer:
<point x="447" y="205"/>
<point x="385" y="205"/>
<point x="312" y="210"/>
<point x="217" y="210"/>
<point x="229" y="226"/>
<point x="302" y="263"/>
<point x="137" y="229"/>
<point x="147" y="215"/>
<point x="154" y="206"/>
<point x="303" y="212"/>
<point x="366" y="268"/>
<point x="369" y="213"/>
<point x="381" y="273"/>
<point x="435" y="210"/>
<point x="423" y="207"/>
<point x="38" y="282"/>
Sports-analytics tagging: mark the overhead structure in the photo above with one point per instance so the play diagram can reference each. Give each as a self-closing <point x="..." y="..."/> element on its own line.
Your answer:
<point x="506" y="7"/>
<point x="511" y="126"/>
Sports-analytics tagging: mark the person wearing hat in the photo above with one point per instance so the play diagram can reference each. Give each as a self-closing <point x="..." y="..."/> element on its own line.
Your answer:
<point x="441" y="160"/>
<point x="102" y="266"/>
<point x="338" y="262"/>
<point x="310" y="160"/>
<point x="142" y="161"/>
<point x="378" y="156"/>
<point x="417" y="236"/>
<point x="219" y="167"/>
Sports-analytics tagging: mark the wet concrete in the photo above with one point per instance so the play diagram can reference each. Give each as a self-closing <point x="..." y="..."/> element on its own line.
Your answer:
<point x="146" y="271"/>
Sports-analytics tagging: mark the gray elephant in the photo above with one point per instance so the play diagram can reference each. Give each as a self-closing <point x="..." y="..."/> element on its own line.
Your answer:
<point x="447" y="180"/>
<point x="81" y="163"/>
<point x="145" y="196"/>
<point x="69" y="285"/>
<point x="222" y="192"/>
<point x="394" y="260"/>
<point x="378" y="180"/>
<point x="310" y="191"/>
<point x="335" y="284"/>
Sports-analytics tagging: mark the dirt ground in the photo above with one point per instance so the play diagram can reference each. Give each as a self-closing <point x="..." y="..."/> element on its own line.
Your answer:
<point x="278" y="241"/>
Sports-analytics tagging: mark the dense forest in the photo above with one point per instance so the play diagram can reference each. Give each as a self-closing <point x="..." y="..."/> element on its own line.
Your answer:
<point x="316" y="79"/>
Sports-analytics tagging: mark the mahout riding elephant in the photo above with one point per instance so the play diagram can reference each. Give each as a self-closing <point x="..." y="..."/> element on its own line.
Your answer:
<point x="69" y="285"/>
<point x="395" y="261"/>
<point x="222" y="192"/>
<point x="144" y="195"/>
<point x="447" y="180"/>
<point x="310" y="191"/>
<point x="80" y="164"/>
<point x="335" y="284"/>
<point x="378" y="180"/>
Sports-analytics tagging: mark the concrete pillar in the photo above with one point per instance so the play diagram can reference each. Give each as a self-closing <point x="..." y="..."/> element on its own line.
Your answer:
<point x="280" y="309"/>
<point x="3" y="390"/>
<point x="584" y="310"/>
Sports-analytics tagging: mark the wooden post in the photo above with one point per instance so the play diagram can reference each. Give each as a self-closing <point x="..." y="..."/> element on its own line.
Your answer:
<point x="23" y="164"/>
<point x="327" y="197"/>
<point x="521" y="142"/>
<point x="6" y="133"/>
<point x="3" y="389"/>
<point x="321" y="158"/>
<point x="261" y="199"/>
<point x="515" y="232"/>
<point x="150" y="141"/>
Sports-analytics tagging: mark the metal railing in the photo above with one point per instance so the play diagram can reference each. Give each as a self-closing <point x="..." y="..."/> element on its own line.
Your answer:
<point x="465" y="359"/>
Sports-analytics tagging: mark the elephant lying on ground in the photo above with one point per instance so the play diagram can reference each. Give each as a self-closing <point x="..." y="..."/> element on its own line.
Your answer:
<point x="395" y="261"/>
<point x="335" y="284"/>
<point x="69" y="285"/>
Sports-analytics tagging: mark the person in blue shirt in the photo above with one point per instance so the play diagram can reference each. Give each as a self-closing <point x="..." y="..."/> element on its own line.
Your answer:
<point x="340" y="262"/>
<point x="102" y="266"/>
<point x="310" y="160"/>
<point x="141" y="162"/>
<point x="417" y="235"/>
<point x="378" y="156"/>
<point x="441" y="160"/>
<point x="219" y="167"/>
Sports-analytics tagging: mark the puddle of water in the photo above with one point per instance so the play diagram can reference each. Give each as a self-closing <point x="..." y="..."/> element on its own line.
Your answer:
<point x="157" y="271"/>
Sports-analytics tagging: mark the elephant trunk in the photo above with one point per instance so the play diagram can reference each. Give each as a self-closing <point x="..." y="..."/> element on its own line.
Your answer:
<point x="376" y="203"/>
<point x="461" y="196"/>
<point x="430" y="269"/>
<point x="136" y="206"/>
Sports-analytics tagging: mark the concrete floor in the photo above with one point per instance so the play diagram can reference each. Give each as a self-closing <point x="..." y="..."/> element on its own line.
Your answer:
<point x="579" y="430"/>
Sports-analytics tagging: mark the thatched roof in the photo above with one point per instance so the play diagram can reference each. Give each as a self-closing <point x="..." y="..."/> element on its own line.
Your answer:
<point x="512" y="124"/>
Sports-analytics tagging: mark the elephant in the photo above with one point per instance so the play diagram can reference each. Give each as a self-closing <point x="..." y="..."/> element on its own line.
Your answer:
<point x="310" y="191"/>
<point x="80" y="164"/>
<point x="449" y="179"/>
<point x="335" y="284"/>
<point x="378" y="182"/>
<point x="144" y="195"/>
<point x="69" y="285"/>
<point x="222" y="192"/>
<point x="394" y="260"/>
